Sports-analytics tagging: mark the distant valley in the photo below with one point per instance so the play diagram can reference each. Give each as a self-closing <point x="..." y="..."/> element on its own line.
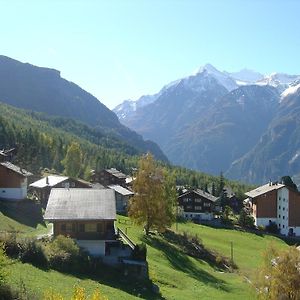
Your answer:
<point x="244" y="124"/>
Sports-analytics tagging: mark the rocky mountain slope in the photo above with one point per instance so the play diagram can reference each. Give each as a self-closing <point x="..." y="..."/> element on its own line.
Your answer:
<point x="210" y="120"/>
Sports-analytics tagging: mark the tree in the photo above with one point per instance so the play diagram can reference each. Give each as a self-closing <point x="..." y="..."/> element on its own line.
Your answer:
<point x="279" y="276"/>
<point x="287" y="180"/>
<point x="72" y="161"/>
<point x="153" y="203"/>
<point x="245" y="220"/>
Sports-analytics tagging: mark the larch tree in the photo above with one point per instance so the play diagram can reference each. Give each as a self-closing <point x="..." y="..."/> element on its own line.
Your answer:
<point x="154" y="200"/>
<point x="72" y="161"/>
<point x="279" y="277"/>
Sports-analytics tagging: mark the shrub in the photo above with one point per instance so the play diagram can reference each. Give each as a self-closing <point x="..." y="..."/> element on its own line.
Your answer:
<point x="64" y="254"/>
<point x="3" y="263"/>
<point x="11" y="245"/>
<point x="272" y="228"/>
<point x="33" y="252"/>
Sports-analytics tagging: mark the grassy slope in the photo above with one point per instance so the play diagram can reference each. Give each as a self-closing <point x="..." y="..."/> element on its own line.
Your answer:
<point x="24" y="217"/>
<point x="182" y="277"/>
<point x="178" y="276"/>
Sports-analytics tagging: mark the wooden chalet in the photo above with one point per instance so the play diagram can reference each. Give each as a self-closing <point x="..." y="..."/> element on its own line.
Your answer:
<point x="42" y="188"/>
<point x="110" y="176"/>
<point x="122" y="197"/>
<point x="87" y="215"/>
<point x="13" y="181"/>
<point x="197" y="205"/>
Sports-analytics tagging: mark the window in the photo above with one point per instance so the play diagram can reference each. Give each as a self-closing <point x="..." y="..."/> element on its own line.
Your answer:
<point x="279" y="198"/>
<point x="189" y="207"/>
<point x="283" y="208"/>
<point x="206" y="204"/>
<point x="282" y="226"/>
<point x="279" y="207"/>
<point x="72" y="184"/>
<point x="197" y="207"/>
<point x="283" y="217"/>
<point x="81" y="228"/>
<point x="279" y="225"/>
<point x="283" y="199"/>
<point x="279" y="216"/>
<point x="66" y="227"/>
<point x="90" y="227"/>
<point x="198" y="200"/>
<point x="100" y="227"/>
<point x="185" y="199"/>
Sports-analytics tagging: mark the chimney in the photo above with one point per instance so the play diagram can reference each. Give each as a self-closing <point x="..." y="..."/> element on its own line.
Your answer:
<point x="47" y="180"/>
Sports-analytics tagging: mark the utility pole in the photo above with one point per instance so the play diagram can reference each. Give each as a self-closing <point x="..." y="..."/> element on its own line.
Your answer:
<point x="231" y="251"/>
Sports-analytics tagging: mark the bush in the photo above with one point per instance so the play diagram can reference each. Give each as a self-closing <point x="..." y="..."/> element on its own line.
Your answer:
<point x="3" y="263"/>
<point x="272" y="228"/>
<point x="140" y="252"/>
<point x="33" y="252"/>
<point x="11" y="245"/>
<point x="64" y="254"/>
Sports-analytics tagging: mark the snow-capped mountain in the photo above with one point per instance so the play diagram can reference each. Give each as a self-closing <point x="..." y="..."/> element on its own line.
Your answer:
<point x="246" y="76"/>
<point x="279" y="80"/>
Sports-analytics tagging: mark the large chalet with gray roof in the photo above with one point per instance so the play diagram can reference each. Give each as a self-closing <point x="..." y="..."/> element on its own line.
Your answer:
<point x="277" y="203"/>
<point x="87" y="215"/>
<point x="197" y="205"/>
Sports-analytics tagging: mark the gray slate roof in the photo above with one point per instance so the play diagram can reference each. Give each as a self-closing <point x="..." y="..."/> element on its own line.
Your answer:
<point x="81" y="204"/>
<point x="264" y="189"/>
<point x="116" y="173"/>
<point x="121" y="190"/>
<point x="201" y="193"/>
<point x="15" y="169"/>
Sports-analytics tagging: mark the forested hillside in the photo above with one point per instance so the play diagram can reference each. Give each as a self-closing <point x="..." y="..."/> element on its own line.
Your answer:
<point x="40" y="89"/>
<point x="42" y="142"/>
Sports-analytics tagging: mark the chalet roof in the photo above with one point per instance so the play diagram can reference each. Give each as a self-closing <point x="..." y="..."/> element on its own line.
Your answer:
<point x="264" y="189"/>
<point x="121" y="190"/>
<point x="53" y="180"/>
<point x="201" y="193"/>
<point x="16" y="169"/>
<point x="116" y="173"/>
<point x="81" y="204"/>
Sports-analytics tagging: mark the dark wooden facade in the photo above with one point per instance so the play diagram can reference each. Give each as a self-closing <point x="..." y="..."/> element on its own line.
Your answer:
<point x="10" y="179"/>
<point x="110" y="176"/>
<point x="196" y="203"/>
<point x="85" y="230"/>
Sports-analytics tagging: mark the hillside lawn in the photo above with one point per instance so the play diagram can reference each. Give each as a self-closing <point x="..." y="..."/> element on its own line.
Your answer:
<point x="24" y="217"/>
<point x="177" y="275"/>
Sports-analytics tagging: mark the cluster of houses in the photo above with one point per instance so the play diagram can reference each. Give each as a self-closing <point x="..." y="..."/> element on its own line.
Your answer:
<point x="86" y="211"/>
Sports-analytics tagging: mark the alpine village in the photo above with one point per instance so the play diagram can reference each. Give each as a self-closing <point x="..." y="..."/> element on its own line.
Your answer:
<point x="101" y="204"/>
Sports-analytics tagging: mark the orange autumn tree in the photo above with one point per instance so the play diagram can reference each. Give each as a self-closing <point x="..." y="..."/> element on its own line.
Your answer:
<point x="154" y="200"/>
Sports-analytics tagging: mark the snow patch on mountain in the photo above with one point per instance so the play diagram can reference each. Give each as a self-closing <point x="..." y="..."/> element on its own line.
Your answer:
<point x="290" y="90"/>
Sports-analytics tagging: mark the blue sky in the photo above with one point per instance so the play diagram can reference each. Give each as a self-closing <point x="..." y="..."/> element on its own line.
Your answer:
<point x="123" y="49"/>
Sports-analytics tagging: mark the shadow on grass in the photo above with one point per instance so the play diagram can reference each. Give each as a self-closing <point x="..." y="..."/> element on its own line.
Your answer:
<point x="115" y="278"/>
<point x="25" y="212"/>
<point x="183" y="263"/>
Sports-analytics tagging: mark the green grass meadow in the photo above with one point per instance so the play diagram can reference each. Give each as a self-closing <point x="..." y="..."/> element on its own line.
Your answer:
<point x="178" y="275"/>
